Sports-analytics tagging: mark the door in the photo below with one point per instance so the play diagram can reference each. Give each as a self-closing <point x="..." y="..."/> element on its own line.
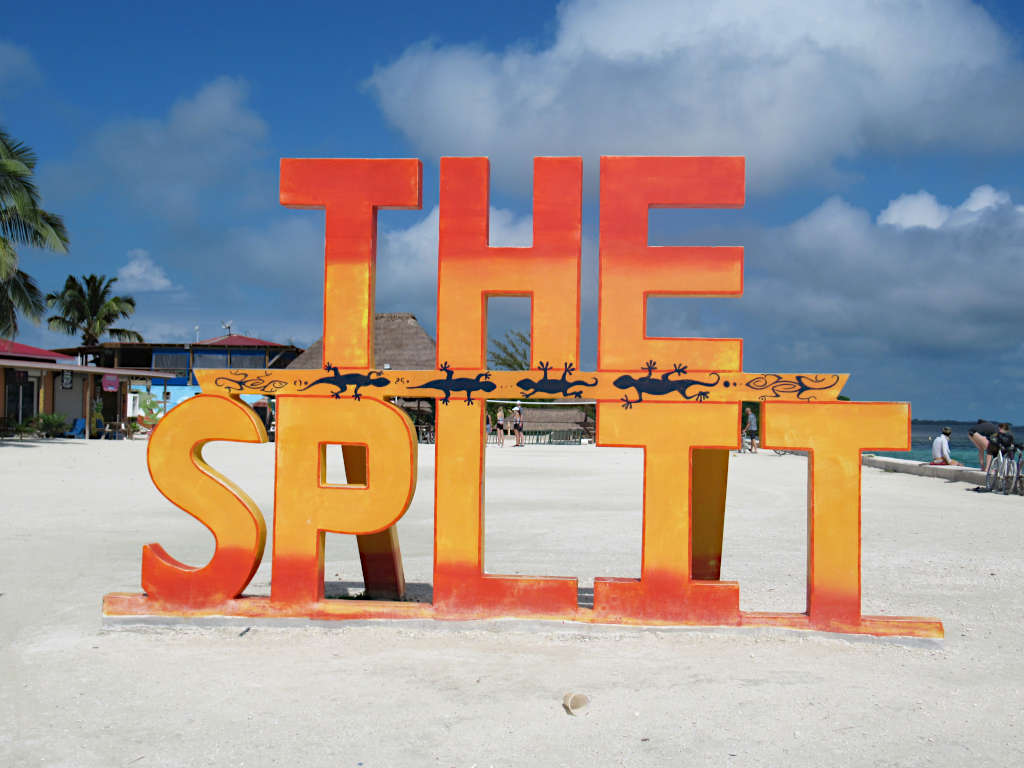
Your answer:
<point x="20" y="398"/>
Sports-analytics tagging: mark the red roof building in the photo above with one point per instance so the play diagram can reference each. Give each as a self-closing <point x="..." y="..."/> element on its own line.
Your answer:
<point x="235" y="340"/>
<point x="14" y="350"/>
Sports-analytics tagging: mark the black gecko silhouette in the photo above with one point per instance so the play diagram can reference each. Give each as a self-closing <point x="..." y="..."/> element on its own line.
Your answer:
<point x="554" y="386"/>
<point x="343" y="381"/>
<point x="651" y="386"/>
<point x="467" y="385"/>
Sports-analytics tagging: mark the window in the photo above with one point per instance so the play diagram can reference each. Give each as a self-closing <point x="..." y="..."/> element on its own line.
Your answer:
<point x="170" y="360"/>
<point x="210" y="358"/>
<point x="248" y="359"/>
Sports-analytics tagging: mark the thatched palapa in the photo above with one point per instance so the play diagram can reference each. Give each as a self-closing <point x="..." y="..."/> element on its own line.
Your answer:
<point x="399" y="343"/>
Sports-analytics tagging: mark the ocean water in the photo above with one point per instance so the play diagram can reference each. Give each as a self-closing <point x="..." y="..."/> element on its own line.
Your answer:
<point x="924" y="432"/>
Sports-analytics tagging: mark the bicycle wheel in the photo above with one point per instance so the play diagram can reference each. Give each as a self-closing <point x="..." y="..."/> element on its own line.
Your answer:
<point x="992" y="474"/>
<point x="1010" y="478"/>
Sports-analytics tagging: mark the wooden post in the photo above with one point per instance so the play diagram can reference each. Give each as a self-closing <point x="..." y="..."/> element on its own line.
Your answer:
<point x="88" y="404"/>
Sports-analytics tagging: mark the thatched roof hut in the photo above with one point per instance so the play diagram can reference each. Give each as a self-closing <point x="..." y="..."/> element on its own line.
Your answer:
<point x="399" y="342"/>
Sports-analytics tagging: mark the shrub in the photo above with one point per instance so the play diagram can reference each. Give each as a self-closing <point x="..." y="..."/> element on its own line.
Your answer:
<point x="51" y="424"/>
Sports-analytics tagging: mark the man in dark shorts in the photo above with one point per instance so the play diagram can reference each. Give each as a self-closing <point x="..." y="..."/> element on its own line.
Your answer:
<point x="750" y="430"/>
<point x="1002" y="440"/>
<point x="979" y="434"/>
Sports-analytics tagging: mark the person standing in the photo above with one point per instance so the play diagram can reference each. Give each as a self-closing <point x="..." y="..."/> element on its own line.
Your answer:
<point x="751" y="429"/>
<point x="1002" y="440"/>
<point x="500" y="417"/>
<point x="979" y="434"/>
<point x="517" y="425"/>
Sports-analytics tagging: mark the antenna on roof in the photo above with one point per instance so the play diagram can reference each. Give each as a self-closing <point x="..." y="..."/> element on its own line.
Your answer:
<point x="227" y="326"/>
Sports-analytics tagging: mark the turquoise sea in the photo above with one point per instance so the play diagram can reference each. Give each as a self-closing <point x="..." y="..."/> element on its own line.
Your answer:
<point x="960" y="447"/>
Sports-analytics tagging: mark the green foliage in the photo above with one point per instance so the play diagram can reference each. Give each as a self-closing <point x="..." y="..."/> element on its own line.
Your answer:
<point x="511" y="353"/>
<point x="88" y="307"/>
<point x="22" y="222"/>
<point x="51" y="424"/>
<point x="97" y="415"/>
<point x="18" y="294"/>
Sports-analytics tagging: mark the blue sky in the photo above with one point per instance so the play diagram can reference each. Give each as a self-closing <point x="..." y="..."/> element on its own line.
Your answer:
<point x="884" y="225"/>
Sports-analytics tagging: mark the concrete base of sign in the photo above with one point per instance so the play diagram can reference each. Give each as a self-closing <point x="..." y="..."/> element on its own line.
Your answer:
<point x="123" y="605"/>
<point x="495" y="626"/>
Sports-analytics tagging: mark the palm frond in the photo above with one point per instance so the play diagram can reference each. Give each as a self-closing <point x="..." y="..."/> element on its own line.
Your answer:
<point x="18" y="294"/>
<point x="8" y="258"/>
<point x="61" y="325"/>
<point x="124" y="334"/>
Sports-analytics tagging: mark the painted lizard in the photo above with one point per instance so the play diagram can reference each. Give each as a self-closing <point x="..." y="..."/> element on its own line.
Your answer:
<point x="651" y="386"/>
<point x="554" y="386"/>
<point x="343" y="381"/>
<point x="468" y="385"/>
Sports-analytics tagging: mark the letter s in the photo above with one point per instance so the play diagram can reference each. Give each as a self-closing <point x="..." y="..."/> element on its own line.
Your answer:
<point x="179" y="472"/>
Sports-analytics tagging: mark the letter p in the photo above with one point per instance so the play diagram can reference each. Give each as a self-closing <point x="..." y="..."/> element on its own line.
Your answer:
<point x="306" y="506"/>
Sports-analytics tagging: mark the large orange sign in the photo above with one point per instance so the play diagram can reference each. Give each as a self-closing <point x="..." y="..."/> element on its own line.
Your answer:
<point x="677" y="399"/>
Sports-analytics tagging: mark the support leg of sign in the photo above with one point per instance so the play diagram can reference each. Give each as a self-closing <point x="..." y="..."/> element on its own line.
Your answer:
<point x="710" y="476"/>
<point x="379" y="553"/>
<point x="462" y="588"/>
<point x="666" y="591"/>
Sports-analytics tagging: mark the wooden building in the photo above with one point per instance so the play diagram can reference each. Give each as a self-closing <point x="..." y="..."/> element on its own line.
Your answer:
<point x="35" y="381"/>
<point x="172" y="364"/>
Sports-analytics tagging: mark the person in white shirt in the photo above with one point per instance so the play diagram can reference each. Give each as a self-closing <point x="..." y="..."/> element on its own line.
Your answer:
<point x="940" y="448"/>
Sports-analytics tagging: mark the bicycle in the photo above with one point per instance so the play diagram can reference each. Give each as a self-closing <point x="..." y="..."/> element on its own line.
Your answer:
<point x="1020" y="469"/>
<point x="1002" y="472"/>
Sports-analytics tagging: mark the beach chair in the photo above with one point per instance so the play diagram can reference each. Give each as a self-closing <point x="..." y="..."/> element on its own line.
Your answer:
<point x="115" y="430"/>
<point x="77" y="429"/>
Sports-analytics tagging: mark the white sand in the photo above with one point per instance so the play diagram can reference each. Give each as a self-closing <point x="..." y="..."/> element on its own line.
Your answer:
<point x="75" y="516"/>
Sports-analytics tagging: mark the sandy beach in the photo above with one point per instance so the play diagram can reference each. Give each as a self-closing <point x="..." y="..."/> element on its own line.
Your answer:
<point x="76" y="693"/>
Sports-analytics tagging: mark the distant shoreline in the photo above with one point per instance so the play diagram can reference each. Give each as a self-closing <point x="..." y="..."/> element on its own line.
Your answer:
<point x="947" y="421"/>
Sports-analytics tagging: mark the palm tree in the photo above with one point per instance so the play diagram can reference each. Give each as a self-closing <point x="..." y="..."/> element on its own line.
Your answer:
<point x="18" y="293"/>
<point x="22" y="222"/>
<point x="87" y="307"/>
<point x="512" y="353"/>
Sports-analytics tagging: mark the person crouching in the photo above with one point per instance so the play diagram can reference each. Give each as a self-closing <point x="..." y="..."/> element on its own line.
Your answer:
<point x="940" y="449"/>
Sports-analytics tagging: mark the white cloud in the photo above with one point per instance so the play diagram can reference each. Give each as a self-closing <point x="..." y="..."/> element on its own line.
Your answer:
<point x="920" y="209"/>
<point x="794" y="86"/>
<point x="984" y="197"/>
<point x="17" y="67"/>
<point x="142" y="274"/>
<point x="838" y="281"/>
<point x="206" y="145"/>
